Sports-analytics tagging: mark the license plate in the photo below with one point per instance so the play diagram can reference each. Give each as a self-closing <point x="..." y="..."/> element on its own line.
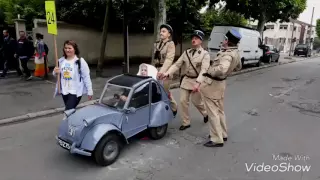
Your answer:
<point x="300" y="50"/>
<point x="64" y="144"/>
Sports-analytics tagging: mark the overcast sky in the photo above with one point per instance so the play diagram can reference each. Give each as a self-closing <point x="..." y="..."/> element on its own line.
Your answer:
<point x="306" y="15"/>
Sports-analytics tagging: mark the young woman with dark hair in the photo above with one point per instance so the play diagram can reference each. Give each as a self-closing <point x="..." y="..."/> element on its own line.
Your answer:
<point x="74" y="75"/>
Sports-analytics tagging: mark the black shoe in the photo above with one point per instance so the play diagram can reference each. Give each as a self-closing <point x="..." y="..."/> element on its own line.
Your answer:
<point x="184" y="127"/>
<point x="206" y="119"/>
<point x="29" y="78"/>
<point x="224" y="139"/>
<point x="212" y="144"/>
<point x="175" y="113"/>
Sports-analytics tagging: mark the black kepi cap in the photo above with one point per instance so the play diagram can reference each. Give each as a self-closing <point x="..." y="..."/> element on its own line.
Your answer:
<point x="168" y="27"/>
<point x="233" y="36"/>
<point x="199" y="34"/>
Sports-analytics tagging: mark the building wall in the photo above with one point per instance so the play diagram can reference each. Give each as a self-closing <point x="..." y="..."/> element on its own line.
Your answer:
<point x="281" y="38"/>
<point x="89" y="40"/>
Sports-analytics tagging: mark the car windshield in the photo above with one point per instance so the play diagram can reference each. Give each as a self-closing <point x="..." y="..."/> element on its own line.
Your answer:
<point x="115" y="96"/>
<point x="301" y="46"/>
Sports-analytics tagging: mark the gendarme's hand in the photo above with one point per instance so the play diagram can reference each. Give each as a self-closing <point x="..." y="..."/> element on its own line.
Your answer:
<point x="165" y="76"/>
<point x="196" y="87"/>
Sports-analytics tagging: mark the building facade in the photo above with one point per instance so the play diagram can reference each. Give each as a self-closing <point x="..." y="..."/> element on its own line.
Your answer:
<point x="286" y="35"/>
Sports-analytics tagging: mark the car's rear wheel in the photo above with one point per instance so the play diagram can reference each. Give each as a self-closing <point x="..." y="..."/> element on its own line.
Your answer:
<point x="259" y="62"/>
<point x="158" y="132"/>
<point x="108" y="150"/>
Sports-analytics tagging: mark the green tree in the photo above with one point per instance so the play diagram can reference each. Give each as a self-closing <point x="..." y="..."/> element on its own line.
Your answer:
<point x="221" y="16"/>
<point x="265" y="10"/>
<point x="28" y="10"/>
<point x="318" y="27"/>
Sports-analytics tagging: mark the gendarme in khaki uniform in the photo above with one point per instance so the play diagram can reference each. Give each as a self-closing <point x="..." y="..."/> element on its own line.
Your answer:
<point x="192" y="73"/>
<point x="214" y="85"/>
<point x="164" y="52"/>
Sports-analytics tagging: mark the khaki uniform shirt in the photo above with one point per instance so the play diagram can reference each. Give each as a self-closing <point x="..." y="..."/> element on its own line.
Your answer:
<point x="200" y="60"/>
<point x="167" y="52"/>
<point x="221" y="67"/>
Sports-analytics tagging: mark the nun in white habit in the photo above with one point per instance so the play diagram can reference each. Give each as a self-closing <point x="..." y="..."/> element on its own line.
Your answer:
<point x="144" y="70"/>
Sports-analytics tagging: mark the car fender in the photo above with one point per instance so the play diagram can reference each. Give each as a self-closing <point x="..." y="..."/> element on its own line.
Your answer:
<point x="161" y="114"/>
<point x="95" y="134"/>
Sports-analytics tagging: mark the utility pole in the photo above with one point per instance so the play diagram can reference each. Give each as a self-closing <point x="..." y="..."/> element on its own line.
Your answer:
<point x="125" y="62"/>
<point x="291" y="39"/>
<point x="183" y="21"/>
<point x="311" y="27"/>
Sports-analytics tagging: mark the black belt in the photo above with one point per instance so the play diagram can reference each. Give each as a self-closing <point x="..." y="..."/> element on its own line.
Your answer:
<point x="158" y="65"/>
<point x="214" y="78"/>
<point x="192" y="77"/>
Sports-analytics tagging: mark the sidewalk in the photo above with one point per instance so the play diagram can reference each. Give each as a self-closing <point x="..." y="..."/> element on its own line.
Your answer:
<point x="20" y="97"/>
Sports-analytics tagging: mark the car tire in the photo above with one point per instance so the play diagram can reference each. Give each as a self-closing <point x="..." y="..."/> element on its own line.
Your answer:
<point x="259" y="62"/>
<point x="269" y="60"/>
<point x="242" y="63"/>
<point x="101" y="156"/>
<point x="158" y="132"/>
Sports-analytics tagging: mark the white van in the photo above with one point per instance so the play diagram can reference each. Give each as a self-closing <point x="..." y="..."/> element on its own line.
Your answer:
<point x="249" y="45"/>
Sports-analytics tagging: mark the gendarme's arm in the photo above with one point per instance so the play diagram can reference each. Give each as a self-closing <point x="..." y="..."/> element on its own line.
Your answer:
<point x="222" y="67"/>
<point x="177" y="65"/>
<point x="169" y="57"/>
<point x="204" y="67"/>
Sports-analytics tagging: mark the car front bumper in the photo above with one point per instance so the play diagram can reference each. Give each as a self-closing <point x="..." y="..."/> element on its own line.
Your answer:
<point x="72" y="147"/>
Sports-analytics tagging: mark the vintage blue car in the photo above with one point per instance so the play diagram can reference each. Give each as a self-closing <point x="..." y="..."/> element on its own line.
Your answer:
<point x="129" y="104"/>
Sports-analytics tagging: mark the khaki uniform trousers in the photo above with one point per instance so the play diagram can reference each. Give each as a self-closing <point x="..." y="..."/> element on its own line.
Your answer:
<point x="217" y="119"/>
<point x="184" y="103"/>
<point x="166" y="86"/>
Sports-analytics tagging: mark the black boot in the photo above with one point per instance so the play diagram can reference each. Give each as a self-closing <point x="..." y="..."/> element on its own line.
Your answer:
<point x="213" y="144"/>
<point x="182" y="128"/>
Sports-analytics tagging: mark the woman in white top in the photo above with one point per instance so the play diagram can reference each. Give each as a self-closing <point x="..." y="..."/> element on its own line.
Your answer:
<point x="74" y="75"/>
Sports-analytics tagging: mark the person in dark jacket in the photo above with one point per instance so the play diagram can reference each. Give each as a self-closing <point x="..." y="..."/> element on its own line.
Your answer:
<point x="9" y="52"/>
<point x="25" y="50"/>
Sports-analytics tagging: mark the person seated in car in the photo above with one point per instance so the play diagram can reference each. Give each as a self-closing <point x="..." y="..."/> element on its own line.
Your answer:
<point x="144" y="70"/>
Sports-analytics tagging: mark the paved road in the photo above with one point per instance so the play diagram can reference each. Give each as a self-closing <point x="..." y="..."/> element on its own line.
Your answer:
<point x="22" y="97"/>
<point x="270" y="112"/>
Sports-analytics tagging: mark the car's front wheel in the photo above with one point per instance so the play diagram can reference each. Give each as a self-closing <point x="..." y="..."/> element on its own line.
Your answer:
<point x="158" y="132"/>
<point x="107" y="150"/>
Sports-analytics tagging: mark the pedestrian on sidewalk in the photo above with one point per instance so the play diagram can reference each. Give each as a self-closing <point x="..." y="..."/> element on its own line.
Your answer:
<point x="214" y="85"/>
<point x="194" y="62"/>
<point x="74" y="75"/>
<point x="164" y="53"/>
<point x="25" y="51"/>
<point x="40" y="57"/>
<point x="9" y="49"/>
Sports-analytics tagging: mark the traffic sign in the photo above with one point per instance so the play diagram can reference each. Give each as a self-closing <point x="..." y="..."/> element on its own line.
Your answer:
<point x="51" y="17"/>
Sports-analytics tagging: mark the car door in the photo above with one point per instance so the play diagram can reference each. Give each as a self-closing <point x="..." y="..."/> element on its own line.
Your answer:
<point x="137" y="119"/>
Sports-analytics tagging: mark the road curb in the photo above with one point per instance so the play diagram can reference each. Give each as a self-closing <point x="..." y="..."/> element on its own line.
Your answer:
<point x="50" y="112"/>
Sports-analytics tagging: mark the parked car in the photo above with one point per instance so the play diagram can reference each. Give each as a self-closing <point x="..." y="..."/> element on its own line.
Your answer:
<point x="270" y="54"/>
<point x="302" y="49"/>
<point x="250" y="45"/>
<point x="101" y="130"/>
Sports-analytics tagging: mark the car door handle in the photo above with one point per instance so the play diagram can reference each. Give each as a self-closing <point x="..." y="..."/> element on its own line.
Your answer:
<point x="257" y="51"/>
